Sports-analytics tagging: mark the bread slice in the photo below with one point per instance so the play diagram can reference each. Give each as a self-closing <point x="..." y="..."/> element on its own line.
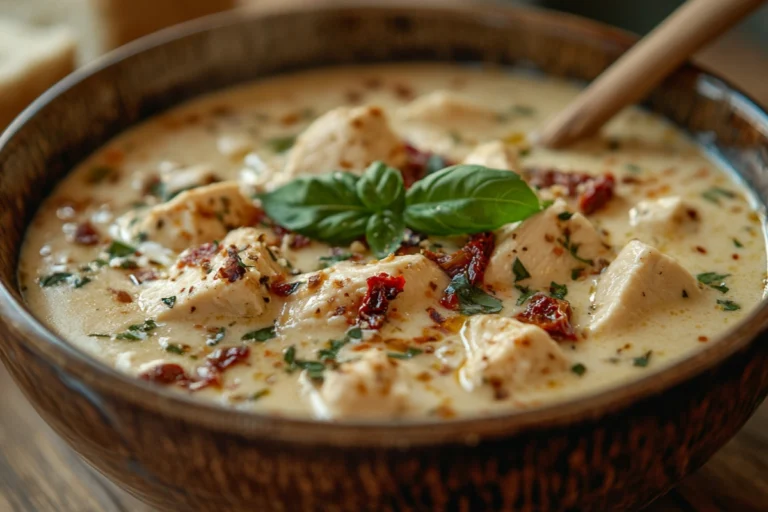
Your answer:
<point x="31" y="60"/>
<point x="123" y="21"/>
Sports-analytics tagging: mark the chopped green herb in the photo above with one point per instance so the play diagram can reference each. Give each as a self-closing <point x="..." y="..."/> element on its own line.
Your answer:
<point x="521" y="273"/>
<point x="525" y="294"/>
<point x="98" y="174"/>
<point x="259" y="394"/>
<point x="131" y="335"/>
<point x="728" y="305"/>
<point x="314" y="368"/>
<point x="54" y="279"/>
<point x="565" y="215"/>
<point x="576" y="273"/>
<point x="281" y="144"/>
<point x="260" y="335"/>
<point x="217" y="337"/>
<point x="633" y="168"/>
<point x="643" y="360"/>
<point x="327" y="261"/>
<point x="98" y="335"/>
<point x="558" y="291"/>
<point x="408" y="354"/>
<point x="737" y="243"/>
<point x="332" y="352"/>
<point x="137" y="332"/>
<point x="579" y="369"/>
<point x="714" y="280"/>
<point x="573" y="248"/>
<point x="80" y="281"/>
<point x="714" y="194"/>
<point x="472" y="300"/>
<point x="169" y="301"/>
<point x="119" y="249"/>
<point x="173" y="348"/>
<point x="128" y="264"/>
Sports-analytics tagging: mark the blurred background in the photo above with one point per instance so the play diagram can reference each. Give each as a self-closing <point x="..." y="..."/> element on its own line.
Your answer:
<point x="43" y="40"/>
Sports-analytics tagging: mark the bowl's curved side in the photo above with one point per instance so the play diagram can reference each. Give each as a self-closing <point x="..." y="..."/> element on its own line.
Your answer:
<point x="620" y="462"/>
<point x="182" y="455"/>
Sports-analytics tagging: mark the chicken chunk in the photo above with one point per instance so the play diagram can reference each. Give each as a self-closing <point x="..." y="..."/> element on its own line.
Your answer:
<point x="193" y="217"/>
<point x="664" y="216"/>
<point x="494" y="154"/>
<point x="178" y="179"/>
<point x="448" y="109"/>
<point x="345" y="139"/>
<point x="226" y="280"/>
<point x="640" y="281"/>
<point x="331" y="299"/>
<point x="550" y="246"/>
<point x="509" y="355"/>
<point x="374" y="386"/>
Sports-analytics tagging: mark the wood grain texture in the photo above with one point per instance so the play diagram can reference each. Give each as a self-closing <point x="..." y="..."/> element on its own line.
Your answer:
<point x="39" y="473"/>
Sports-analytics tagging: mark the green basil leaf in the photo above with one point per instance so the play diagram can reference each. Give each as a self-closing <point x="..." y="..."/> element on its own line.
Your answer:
<point x="384" y="233"/>
<point x="324" y="207"/>
<point x="472" y="300"/>
<point x="466" y="199"/>
<point x="381" y="187"/>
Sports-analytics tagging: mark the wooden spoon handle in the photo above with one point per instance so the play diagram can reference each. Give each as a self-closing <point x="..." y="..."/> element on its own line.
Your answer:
<point x="630" y="78"/>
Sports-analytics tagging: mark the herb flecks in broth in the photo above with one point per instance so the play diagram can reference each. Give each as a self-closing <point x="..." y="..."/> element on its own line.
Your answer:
<point x="385" y="243"/>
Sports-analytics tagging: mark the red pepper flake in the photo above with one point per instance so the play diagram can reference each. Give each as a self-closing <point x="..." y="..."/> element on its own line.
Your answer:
<point x="435" y="316"/>
<point x="233" y="268"/>
<point x="198" y="255"/>
<point x="700" y="249"/>
<point x="86" y="234"/>
<point x="382" y="288"/>
<point x="166" y="374"/>
<point x="552" y="315"/>
<point x="121" y="296"/>
<point x="703" y="339"/>
<point x="596" y="194"/>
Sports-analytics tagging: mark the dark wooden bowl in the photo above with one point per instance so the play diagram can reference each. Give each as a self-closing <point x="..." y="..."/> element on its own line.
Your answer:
<point x="612" y="451"/>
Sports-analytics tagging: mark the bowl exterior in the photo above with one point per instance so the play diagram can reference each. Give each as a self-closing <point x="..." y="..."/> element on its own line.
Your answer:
<point x="176" y="455"/>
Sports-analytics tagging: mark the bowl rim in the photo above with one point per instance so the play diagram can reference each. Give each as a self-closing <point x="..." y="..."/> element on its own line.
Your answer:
<point x="15" y="315"/>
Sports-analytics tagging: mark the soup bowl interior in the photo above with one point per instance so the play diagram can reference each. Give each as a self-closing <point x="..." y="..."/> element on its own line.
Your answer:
<point x="620" y="448"/>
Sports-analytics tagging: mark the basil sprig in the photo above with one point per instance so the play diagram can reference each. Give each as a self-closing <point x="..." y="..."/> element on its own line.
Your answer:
<point x="340" y="207"/>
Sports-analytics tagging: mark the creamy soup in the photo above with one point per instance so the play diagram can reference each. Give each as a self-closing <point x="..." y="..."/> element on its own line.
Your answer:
<point x="237" y="248"/>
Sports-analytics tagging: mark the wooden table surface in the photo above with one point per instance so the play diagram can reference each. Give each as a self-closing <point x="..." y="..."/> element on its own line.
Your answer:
<point x="39" y="473"/>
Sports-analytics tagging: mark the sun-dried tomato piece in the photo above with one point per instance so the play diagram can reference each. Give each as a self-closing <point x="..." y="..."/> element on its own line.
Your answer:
<point x="86" y="234"/>
<point x="282" y="288"/>
<point x="233" y="268"/>
<point x="545" y="178"/>
<point x="199" y="255"/>
<point x="166" y="374"/>
<point x="417" y="163"/>
<point x="593" y="192"/>
<point x="382" y="288"/>
<point x="223" y="358"/>
<point x="297" y="241"/>
<point x="552" y="315"/>
<point x="472" y="259"/>
<point x="597" y="193"/>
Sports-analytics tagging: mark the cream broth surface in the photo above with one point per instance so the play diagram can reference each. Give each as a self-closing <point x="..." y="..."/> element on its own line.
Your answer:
<point x="668" y="195"/>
